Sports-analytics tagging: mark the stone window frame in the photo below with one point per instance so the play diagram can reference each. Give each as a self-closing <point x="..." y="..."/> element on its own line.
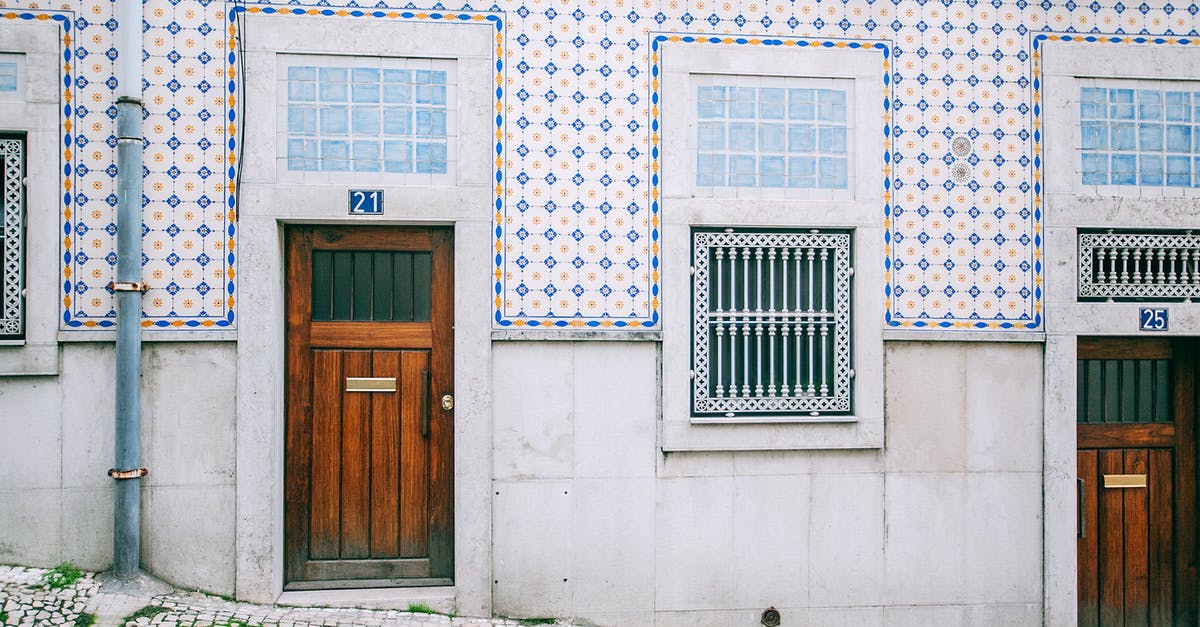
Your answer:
<point x="34" y="110"/>
<point x="687" y="206"/>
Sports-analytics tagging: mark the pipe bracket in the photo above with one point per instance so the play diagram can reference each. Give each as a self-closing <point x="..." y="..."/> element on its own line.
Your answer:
<point x="136" y="473"/>
<point x="128" y="286"/>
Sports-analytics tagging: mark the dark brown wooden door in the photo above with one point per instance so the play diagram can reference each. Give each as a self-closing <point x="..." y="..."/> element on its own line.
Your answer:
<point x="1136" y="540"/>
<point x="369" y="449"/>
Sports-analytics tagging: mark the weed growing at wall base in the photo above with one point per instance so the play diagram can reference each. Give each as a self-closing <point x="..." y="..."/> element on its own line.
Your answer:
<point x="61" y="576"/>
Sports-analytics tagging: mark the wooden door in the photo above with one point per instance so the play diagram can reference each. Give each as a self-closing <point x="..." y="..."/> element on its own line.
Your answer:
<point x="369" y="445"/>
<point x="1136" y="465"/>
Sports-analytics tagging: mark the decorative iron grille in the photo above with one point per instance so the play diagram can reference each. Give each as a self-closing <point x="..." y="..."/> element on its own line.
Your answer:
<point x="771" y="323"/>
<point x="1139" y="266"/>
<point x="12" y="228"/>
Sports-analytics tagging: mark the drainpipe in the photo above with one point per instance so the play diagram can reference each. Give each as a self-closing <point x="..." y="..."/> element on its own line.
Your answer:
<point x="128" y="290"/>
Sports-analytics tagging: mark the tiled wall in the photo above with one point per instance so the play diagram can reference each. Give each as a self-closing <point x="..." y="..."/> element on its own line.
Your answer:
<point x="577" y="240"/>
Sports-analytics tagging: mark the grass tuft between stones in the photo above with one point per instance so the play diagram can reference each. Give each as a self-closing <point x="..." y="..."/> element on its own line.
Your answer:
<point x="85" y="619"/>
<point x="62" y="576"/>
<point x="150" y="611"/>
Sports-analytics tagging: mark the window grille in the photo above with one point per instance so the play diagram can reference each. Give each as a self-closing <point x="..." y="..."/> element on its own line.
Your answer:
<point x="1139" y="265"/>
<point x="771" y="329"/>
<point x="12" y="228"/>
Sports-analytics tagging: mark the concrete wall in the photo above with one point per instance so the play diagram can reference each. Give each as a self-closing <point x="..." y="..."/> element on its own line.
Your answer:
<point x="942" y="526"/>
<point x="589" y="518"/>
<point x="56" y="446"/>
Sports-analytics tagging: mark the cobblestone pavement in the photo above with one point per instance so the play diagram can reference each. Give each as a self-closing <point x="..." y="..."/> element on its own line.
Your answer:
<point x="26" y="601"/>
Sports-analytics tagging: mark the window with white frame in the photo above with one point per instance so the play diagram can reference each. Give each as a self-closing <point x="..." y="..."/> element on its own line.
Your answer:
<point x="12" y="233"/>
<point x="771" y="322"/>
<point x="355" y="114"/>
<point x="772" y="131"/>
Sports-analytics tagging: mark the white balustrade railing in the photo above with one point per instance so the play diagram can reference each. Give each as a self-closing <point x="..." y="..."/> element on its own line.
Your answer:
<point x="771" y="331"/>
<point x="1139" y="266"/>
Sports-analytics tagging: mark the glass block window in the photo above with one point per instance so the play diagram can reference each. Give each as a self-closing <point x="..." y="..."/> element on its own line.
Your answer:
<point x="8" y="76"/>
<point x="774" y="136"/>
<point x="12" y="233"/>
<point x="1147" y="137"/>
<point x="367" y="119"/>
<point x="771" y="323"/>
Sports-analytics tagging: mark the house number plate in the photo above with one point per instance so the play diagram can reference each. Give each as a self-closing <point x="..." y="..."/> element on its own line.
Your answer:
<point x="366" y="202"/>
<point x="1152" y="318"/>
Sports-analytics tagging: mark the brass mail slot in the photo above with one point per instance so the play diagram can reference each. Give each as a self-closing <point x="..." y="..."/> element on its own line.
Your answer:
<point x="1124" y="481"/>
<point x="370" y="384"/>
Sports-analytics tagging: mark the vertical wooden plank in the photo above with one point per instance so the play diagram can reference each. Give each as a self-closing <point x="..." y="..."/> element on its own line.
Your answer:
<point x="1184" y="364"/>
<point x="422" y="278"/>
<point x="298" y="430"/>
<point x="1089" y="542"/>
<point x="1112" y="543"/>
<point x="1145" y="391"/>
<point x="1095" y="377"/>
<point x="1137" y="543"/>
<point x="363" y="273"/>
<point x="1162" y="391"/>
<point x="1112" y="390"/>
<point x="325" y="527"/>
<point x="356" y="459"/>
<point x="1081" y="389"/>
<point x="414" y="456"/>
<point x="385" y="458"/>
<point x="381" y="302"/>
<point x="322" y="285"/>
<point x="1159" y="486"/>
<point x="343" y="285"/>
<point x="402" y="306"/>
<point x="1128" y="403"/>
<point x="441" y="462"/>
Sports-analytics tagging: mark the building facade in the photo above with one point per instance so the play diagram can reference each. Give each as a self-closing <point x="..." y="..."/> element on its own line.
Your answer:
<point x="635" y="312"/>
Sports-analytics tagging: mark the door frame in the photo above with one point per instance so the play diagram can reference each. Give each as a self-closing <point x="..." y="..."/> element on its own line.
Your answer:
<point x="268" y="197"/>
<point x="261" y="386"/>
<point x="300" y="242"/>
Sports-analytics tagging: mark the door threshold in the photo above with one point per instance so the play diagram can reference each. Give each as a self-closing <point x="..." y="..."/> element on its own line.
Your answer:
<point x="437" y="598"/>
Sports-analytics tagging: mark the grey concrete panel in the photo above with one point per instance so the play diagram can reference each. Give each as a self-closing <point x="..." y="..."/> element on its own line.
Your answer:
<point x="31" y="432"/>
<point x="533" y="408"/>
<point x="693" y="544"/>
<point x="533" y="541"/>
<point x="613" y="546"/>
<point x="31" y="527"/>
<point x="188" y="536"/>
<point x="926" y="542"/>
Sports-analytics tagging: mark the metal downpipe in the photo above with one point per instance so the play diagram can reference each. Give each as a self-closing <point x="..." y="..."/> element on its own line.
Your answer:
<point x="128" y="294"/>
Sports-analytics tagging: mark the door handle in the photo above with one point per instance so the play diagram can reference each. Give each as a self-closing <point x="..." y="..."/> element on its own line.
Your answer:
<point x="1081" y="508"/>
<point x="425" y="404"/>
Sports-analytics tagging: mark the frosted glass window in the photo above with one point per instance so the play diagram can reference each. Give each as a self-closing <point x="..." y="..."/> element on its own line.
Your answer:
<point x="366" y="119"/>
<point x="772" y="137"/>
<point x="1135" y="136"/>
<point x="8" y="76"/>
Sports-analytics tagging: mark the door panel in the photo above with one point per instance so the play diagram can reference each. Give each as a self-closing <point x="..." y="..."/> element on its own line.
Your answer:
<point x="368" y="496"/>
<point x="1136" y="480"/>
